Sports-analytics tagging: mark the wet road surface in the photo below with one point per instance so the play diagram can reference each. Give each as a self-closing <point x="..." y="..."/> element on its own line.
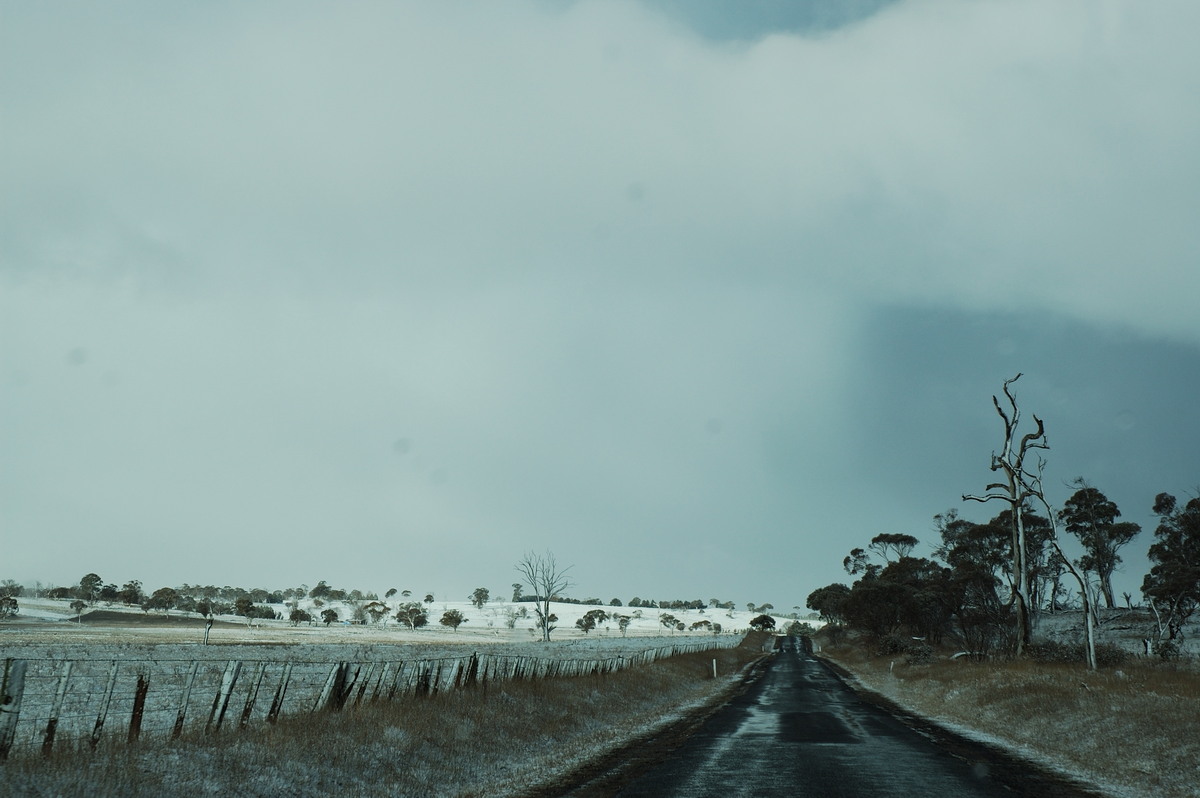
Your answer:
<point x="799" y="731"/>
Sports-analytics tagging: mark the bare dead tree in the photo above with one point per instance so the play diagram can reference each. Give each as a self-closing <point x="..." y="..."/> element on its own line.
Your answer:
<point x="547" y="579"/>
<point x="1024" y="484"/>
<point x="1013" y="492"/>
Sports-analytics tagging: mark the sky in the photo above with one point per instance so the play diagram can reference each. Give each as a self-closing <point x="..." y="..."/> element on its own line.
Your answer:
<point x="697" y="296"/>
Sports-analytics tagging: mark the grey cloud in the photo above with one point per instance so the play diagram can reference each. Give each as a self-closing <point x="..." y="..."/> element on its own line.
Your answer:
<point x="552" y="248"/>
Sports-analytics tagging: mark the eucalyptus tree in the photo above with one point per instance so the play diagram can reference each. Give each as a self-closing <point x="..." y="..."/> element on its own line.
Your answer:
<point x="1092" y="517"/>
<point x="1173" y="584"/>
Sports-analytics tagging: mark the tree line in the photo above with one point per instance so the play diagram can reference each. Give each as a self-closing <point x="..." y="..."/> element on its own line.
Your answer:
<point x="987" y="583"/>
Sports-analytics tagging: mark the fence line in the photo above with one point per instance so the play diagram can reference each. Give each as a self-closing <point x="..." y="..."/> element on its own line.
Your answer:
<point x="45" y="701"/>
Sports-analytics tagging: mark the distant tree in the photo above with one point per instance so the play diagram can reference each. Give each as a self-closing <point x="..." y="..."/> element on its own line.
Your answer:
<point x="1173" y="585"/>
<point x="131" y="593"/>
<point x="701" y="625"/>
<point x="453" y="619"/>
<point x="428" y="598"/>
<point x="591" y="619"/>
<point x="750" y="606"/>
<point x="762" y="623"/>
<point x="668" y="620"/>
<point x="800" y="629"/>
<point x="412" y="614"/>
<point x="79" y="606"/>
<point x="716" y="628"/>
<point x="329" y="616"/>
<point x="480" y="596"/>
<point x="546" y="578"/>
<point x="391" y="592"/>
<point x="887" y="545"/>
<point x="516" y="586"/>
<point x="829" y="601"/>
<point x="162" y="599"/>
<point x="376" y="611"/>
<point x="299" y="616"/>
<point x="10" y="587"/>
<point x="766" y="607"/>
<point x="1092" y="517"/>
<point x="8" y="606"/>
<point x="320" y="591"/>
<point x="89" y="587"/>
<point x="622" y="623"/>
<point x="635" y="602"/>
<point x="109" y="593"/>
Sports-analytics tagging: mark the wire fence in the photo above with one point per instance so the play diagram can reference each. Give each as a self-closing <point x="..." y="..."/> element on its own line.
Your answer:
<point x="46" y="701"/>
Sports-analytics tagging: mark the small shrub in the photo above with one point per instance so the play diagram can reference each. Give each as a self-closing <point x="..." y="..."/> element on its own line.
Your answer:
<point x="890" y="644"/>
<point x="918" y="654"/>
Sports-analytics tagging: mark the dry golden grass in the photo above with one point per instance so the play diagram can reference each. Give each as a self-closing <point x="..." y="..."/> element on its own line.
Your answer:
<point x="1132" y="730"/>
<point x="502" y="741"/>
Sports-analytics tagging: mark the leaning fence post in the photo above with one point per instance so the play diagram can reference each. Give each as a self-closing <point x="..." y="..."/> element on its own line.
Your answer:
<point x="183" y="701"/>
<point x="139" y="706"/>
<point x="10" y="702"/>
<point x="280" y="691"/>
<point x="221" y="701"/>
<point x="56" y="709"/>
<point x="333" y="693"/>
<point x="252" y="694"/>
<point x="102" y="714"/>
<point x="363" y="683"/>
<point x="384" y="674"/>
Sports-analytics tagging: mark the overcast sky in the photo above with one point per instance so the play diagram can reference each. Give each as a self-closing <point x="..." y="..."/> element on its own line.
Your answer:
<point x="697" y="295"/>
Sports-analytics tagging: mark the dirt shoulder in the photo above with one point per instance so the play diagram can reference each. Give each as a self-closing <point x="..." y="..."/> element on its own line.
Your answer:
<point x="1125" y="731"/>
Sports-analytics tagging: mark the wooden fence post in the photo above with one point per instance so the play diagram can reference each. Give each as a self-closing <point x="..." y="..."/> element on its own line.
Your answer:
<point x="333" y="694"/>
<point x="102" y="713"/>
<point x="395" y="687"/>
<point x="183" y="701"/>
<point x="346" y="688"/>
<point x="364" y="683"/>
<point x="280" y="691"/>
<point x="221" y="700"/>
<point x="252" y="694"/>
<point x="56" y="708"/>
<point x="11" y="692"/>
<point x="384" y="675"/>
<point x="139" y="707"/>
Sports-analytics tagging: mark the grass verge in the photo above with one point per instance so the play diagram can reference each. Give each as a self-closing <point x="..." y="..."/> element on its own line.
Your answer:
<point x="506" y="740"/>
<point x="1132" y="731"/>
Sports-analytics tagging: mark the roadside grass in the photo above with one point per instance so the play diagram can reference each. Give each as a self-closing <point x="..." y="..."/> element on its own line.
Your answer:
<point x="503" y="740"/>
<point x="1132" y="729"/>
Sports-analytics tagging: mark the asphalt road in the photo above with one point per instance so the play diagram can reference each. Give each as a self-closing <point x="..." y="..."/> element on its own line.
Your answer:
<point x="800" y="731"/>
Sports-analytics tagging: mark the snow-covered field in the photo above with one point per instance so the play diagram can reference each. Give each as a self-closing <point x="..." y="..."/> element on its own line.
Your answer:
<point x="127" y="645"/>
<point x="52" y="622"/>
